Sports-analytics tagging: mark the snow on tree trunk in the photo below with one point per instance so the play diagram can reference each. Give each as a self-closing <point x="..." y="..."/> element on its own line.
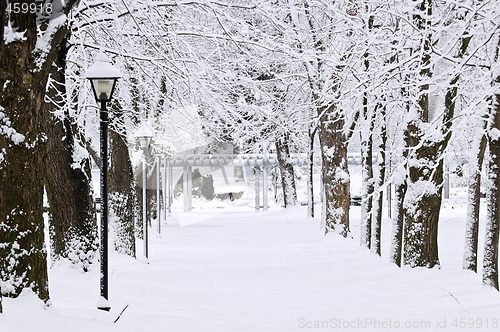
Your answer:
<point x="427" y="146"/>
<point x="286" y="171"/>
<point x="473" y="203"/>
<point x="73" y="224"/>
<point x="122" y="196"/>
<point x="310" y="185"/>
<point x="421" y="208"/>
<point x="310" y="176"/>
<point x="398" y="221"/>
<point x="335" y="174"/>
<point x="399" y="182"/>
<point x="25" y="62"/>
<point x="378" y="197"/>
<point x="490" y="261"/>
<point x="367" y="175"/>
<point x="73" y="227"/>
<point x="23" y="254"/>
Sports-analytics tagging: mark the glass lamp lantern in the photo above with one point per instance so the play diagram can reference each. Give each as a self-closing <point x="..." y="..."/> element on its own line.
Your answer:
<point x="103" y="76"/>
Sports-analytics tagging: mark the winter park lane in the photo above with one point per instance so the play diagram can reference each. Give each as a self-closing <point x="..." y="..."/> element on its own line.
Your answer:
<point x="274" y="271"/>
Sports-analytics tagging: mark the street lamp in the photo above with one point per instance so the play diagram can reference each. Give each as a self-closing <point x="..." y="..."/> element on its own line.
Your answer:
<point x="144" y="135"/>
<point x="169" y="153"/>
<point x="165" y="150"/>
<point x="103" y="76"/>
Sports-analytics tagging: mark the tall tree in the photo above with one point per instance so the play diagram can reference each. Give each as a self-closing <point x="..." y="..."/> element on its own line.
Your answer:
<point x="474" y="35"/>
<point x="490" y="261"/>
<point x="423" y="198"/>
<point x="367" y="172"/>
<point x="312" y="26"/>
<point x="473" y="202"/>
<point x="379" y="181"/>
<point x="28" y="46"/>
<point x="286" y="171"/>
<point x="67" y="174"/>
<point x="428" y="143"/>
<point x="122" y="195"/>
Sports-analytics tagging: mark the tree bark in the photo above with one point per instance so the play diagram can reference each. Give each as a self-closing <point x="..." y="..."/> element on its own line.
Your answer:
<point x="400" y="185"/>
<point x="425" y="164"/>
<point x="367" y="175"/>
<point x="24" y="71"/>
<point x="473" y="204"/>
<point x="378" y="197"/>
<point x="310" y="178"/>
<point x="490" y="261"/>
<point x="335" y="173"/>
<point x="122" y="196"/>
<point x="23" y="254"/>
<point x="397" y="231"/>
<point x="422" y="201"/>
<point x="72" y="213"/>
<point x="286" y="171"/>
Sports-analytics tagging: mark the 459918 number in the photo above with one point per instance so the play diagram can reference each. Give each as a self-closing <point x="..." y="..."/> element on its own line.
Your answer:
<point x="29" y="8"/>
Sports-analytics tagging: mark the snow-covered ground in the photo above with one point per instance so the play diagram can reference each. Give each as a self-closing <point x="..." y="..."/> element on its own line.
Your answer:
<point x="234" y="270"/>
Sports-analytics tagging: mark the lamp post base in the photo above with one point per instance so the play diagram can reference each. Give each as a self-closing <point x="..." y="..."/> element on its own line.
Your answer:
<point x="103" y="304"/>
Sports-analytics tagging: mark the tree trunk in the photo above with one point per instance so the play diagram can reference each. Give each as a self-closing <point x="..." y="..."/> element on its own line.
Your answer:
<point x="23" y="262"/>
<point x="310" y="178"/>
<point x="367" y="176"/>
<point x="397" y="231"/>
<point x="490" y="261"/>
<point x="24" y="71"/>
<point x="73" y="224"/>
<point x="368" y="184"/>
<point x="473" y="203"/>
<point x="122" y="196"/>
<point x="422" y="201"/>
<point x="286" y="171"/>
<point x="474" y="190"/>
<point x="335" y="174"/>
<point x="378" y="197"/>
<point x="400" y="185"/>
<point x="425" y="165"/>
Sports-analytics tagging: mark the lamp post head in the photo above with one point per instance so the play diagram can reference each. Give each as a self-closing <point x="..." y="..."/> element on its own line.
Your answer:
<point x="103" y="76"/>
<point x="144" y="135"/>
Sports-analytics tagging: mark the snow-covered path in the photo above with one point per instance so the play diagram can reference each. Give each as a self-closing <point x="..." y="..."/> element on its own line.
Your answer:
<point x="274" y="271"/>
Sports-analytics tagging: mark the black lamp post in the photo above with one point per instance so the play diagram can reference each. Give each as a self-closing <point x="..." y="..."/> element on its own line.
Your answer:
<point x="103" y="76"/>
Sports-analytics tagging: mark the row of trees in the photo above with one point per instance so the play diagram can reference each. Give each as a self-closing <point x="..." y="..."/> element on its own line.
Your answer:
<point x="404" y="76"/>
<point x="409" y="79"/>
